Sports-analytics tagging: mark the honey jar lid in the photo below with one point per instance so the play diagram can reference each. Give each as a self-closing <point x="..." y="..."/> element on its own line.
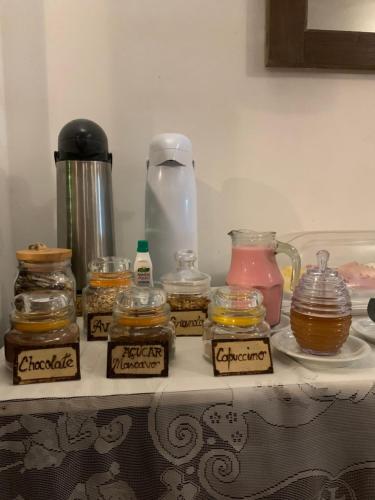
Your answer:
<point x="321" y="291"/>
<point x="187" y="279"/>
<point x="39" y="252"/>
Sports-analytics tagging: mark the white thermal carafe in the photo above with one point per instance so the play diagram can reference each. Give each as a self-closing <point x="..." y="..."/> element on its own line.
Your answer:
<point x="171" y="200"/>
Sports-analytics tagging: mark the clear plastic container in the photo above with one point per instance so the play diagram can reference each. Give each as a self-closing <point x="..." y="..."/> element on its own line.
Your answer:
<point x="320" y="314"/>
<point x="106" y="278"/>
<point x="40" y="318"/>
<point x="234" y="313"/>
<point x="352" y="254"/>
<point x="43" y="268"/>
<point x="142" y="314"/>
<point x="188" y="292"/>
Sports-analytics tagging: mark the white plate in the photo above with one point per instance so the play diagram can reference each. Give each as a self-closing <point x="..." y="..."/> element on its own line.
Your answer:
<point x="365" y="327"/>
<point x="353" y="350"/>
<point x="284" y="323"/>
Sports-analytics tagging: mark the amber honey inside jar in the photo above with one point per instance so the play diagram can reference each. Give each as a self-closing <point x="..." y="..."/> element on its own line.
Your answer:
<point x="40" y="319"/>
<point x="141" y="314"/>
<point x="187" y="294"/>
<point x="320" y="334"/>
<point x="106" y="278"/>
<point x="320" y="314"/>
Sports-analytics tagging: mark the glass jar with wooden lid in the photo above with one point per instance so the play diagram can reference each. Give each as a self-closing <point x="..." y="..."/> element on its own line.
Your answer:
<point x="106" y="278"/>
<point x="234" y="313"/>
<point x="141" y="314"/>
<point x="40" y="319"/>
<point x="44" y="268"/>
<point x="188" y="292"/>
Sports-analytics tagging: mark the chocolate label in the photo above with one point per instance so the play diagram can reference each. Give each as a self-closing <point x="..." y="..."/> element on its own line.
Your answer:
<point x="46" y="364"/>
<point x="98" y="325"/>
<point x="188" y="322"/>
<point x="143" y="359"/>
<point x="240" y="357"/>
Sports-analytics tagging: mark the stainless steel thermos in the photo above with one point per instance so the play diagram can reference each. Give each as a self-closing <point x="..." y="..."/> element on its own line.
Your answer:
<point x="84" y="195"/>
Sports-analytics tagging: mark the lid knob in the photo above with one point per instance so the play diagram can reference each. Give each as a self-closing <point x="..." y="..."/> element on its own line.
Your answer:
<point x="322" y="256"/>
<point x="37" y="246"/>
<point x="185" y="258"/>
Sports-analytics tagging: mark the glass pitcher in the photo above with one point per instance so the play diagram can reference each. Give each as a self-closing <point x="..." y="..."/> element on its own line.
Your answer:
<point x="254" y="264"/>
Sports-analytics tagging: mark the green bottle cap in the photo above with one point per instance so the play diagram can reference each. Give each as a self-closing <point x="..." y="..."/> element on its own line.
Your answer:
<point x="142" y="246"/>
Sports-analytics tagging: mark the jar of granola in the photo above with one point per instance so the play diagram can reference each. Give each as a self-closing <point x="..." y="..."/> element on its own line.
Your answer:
<point x="187" y="294"/>
<point x="106" y="278"/>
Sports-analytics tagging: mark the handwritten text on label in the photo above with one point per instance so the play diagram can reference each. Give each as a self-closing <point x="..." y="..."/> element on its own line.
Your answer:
<point x="131" y="360"/>
<point x="36" y="364"/>
<point x="235" y="357"/>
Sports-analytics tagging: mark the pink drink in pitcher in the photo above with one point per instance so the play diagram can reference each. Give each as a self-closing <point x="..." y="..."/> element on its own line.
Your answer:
<point x="254" y="265"/>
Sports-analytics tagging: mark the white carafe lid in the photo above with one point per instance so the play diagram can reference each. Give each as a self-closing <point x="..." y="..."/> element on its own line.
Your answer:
<point x="170" y="147"/>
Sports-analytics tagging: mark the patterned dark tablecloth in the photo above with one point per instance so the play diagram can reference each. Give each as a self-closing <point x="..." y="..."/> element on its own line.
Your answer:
<point x="289" y="442"/>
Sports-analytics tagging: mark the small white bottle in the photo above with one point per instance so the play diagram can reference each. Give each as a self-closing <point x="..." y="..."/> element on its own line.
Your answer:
<point x="143" y="265"/>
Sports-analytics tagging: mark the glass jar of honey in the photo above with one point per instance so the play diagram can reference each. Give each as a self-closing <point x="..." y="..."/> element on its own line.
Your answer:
<point x="106" y="278"/>
<point x="234" y="313"/>
<point x="142" y="314"/>
<point x="320" y="314"/>
<point x="188" y="292"/>
<point x="40" y="318"/>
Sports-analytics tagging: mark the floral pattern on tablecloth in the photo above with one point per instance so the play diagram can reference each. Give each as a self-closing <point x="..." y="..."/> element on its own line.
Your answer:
<point x="306" y="442"/>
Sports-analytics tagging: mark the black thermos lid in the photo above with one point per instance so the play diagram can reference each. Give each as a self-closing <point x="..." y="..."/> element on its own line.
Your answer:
<point x="82" y="140"/>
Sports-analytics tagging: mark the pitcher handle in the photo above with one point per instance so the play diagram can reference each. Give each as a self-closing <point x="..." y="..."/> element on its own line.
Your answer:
<point x="291" y="252"/>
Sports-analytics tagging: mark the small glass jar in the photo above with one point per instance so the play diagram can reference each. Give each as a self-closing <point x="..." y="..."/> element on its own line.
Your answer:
<point x="187" y="294"/>
<point x="320" y="314"/>
<point x="106" y="278"/>
<point x="142" y="314"/>
<point x="40" y="318"/>
<point x="234" y="313"/>
<point x="43" y="268"/>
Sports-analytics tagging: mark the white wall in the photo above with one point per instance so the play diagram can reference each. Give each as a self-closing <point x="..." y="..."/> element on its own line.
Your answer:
<point x="280" y="150"/>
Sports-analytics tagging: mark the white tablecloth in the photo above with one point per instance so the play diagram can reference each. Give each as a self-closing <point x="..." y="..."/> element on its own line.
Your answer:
<point x="189" y="371"/>
<point x="294" y="434"/>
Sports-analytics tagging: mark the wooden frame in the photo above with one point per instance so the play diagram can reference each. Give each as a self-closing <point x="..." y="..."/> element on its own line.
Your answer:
<point x="291" y="45"/>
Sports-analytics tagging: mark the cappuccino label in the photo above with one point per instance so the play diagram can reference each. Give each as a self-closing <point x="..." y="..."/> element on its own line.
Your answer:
<point x="241" y="357"/>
